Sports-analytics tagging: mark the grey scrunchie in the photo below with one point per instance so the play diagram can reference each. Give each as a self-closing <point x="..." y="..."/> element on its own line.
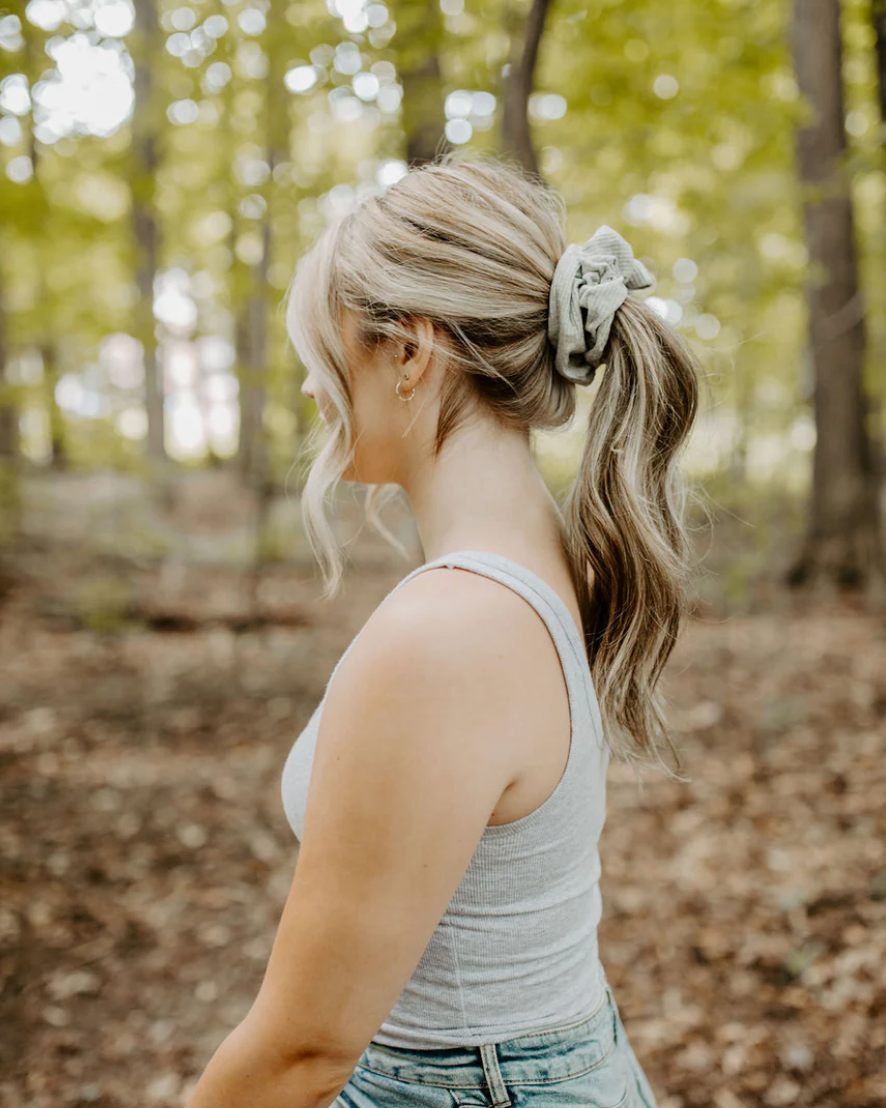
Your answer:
<point x="590" y="284"/>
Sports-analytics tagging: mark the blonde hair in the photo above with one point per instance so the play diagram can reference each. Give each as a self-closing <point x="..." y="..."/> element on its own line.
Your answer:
<point x="471" y="243"/>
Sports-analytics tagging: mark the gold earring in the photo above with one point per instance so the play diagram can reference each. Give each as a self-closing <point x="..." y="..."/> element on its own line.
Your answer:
<point x="402" y="397"/>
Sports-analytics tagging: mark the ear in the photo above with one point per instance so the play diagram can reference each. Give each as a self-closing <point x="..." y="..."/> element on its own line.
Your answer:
<point x="414" y="351"/>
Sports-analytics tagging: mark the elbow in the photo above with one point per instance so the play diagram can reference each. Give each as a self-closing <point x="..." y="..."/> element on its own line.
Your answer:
<point x="247" y="1071"/>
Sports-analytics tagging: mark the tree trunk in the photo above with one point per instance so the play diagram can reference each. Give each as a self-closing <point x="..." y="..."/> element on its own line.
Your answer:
<point x="57" y="445"/>
<point x="145" y="126"/>
<point x="253" y="325"/>
<point x="46" y="214"/>
<point x="417" y="42"/>
<point x="843" y="545"/>
<point x="252" y="452"/>
<point x="516" y="135"/>
<point x="9" y="443"/>
<point x="8" y="414"/>
<point x="878" y="17"/>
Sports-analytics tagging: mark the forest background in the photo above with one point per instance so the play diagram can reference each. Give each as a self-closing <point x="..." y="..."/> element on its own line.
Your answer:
<point x="162" y="640"/>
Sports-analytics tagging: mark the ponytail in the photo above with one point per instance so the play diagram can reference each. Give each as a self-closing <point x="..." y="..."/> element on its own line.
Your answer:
<point x="626" y="537"/>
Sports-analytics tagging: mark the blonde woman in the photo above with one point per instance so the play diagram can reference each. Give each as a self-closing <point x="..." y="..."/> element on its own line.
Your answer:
<point x="438" y="948"/>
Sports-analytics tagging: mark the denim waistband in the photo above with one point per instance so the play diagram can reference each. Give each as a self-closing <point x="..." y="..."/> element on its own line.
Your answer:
<point x="534" y="1058"/>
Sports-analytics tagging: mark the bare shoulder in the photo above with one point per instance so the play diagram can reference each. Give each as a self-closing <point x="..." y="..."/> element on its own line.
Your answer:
<point x="463" y="600"/>
<point x="479" y="626"/>
<point x="455" y="656"/>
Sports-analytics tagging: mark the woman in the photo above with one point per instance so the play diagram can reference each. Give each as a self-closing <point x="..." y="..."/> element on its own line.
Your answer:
<point x="438" y="947"/>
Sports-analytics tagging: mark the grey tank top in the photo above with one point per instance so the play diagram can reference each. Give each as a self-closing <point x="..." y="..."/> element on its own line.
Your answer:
<point x="516" y="949"/>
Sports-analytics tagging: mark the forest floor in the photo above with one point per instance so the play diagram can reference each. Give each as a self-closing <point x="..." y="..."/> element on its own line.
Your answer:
<point x="146" y="856"/>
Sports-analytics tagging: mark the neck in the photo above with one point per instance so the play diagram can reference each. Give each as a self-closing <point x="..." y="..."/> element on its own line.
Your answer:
<point x="483" y="492"/>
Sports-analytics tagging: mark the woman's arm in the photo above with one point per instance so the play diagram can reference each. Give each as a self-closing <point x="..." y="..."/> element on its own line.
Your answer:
<point x="414" y="749"/>
<point x="247" y="1071"/>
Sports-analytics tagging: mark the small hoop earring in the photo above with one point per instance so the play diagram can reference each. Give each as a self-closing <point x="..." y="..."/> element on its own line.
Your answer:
<point x="402" y="397"/>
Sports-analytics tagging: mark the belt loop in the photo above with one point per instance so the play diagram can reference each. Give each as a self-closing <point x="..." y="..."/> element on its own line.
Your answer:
<point x="494" y="1079"/>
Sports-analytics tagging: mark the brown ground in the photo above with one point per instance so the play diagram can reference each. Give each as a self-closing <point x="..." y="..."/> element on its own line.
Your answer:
<point x="146" y="856"/>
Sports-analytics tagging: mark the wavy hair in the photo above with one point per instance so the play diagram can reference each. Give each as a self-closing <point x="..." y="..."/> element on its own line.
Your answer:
<point x="470" y="242"/>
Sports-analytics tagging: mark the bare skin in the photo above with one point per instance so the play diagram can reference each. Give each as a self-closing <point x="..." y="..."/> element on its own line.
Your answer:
<point x="448" y="714"/>
<point x="508" y="510"/>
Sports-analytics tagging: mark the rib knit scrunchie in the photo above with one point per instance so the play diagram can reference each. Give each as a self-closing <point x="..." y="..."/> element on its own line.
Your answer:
<point x="590" y="284"/>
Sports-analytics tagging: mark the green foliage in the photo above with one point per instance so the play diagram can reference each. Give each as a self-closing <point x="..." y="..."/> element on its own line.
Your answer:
<point x="678" y="129"/>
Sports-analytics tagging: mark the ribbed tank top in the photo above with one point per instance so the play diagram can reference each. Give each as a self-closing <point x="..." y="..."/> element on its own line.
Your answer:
<point x="516" y="949"/>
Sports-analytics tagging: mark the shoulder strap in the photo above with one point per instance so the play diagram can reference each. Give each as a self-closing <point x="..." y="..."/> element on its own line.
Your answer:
<point x="561" y="625"/>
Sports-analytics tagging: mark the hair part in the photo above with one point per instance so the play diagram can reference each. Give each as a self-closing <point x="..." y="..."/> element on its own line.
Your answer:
<point x="470" y="243"/>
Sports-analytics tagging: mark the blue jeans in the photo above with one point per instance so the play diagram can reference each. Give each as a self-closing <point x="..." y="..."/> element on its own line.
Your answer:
<point x="589" y="1064"/>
